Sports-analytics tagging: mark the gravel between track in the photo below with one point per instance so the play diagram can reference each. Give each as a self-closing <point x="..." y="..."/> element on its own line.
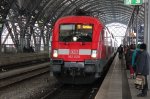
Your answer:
<point x="29" y="89"/>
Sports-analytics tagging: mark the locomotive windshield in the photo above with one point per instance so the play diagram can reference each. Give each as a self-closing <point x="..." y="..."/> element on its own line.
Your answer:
<point x="75" y="33"/>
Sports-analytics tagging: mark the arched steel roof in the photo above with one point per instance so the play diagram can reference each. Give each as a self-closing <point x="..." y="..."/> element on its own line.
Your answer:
<point x="23" y="15"/>
<point x="107" y="10"/>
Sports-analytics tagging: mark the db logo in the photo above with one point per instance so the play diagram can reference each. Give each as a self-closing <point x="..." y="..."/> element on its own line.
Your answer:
<point x="74" y="51"/>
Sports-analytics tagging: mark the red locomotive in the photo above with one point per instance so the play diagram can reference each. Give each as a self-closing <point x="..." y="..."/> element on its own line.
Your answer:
<point x="81" y="47"/>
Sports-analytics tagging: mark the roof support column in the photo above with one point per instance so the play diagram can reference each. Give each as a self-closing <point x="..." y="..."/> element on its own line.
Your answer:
<point x="137" y="30"/>
<point x="147" y="25"/>
<point x="145" y="22"/>
<point x="1" y="36"/>
<point x="130" y="42"/>
<point x="148" y="43"/>
<point x="22" y="40"/>
<point x="0" y="39"/>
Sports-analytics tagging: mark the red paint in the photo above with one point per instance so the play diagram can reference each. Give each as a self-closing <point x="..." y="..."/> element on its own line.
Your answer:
<point x="103" y="46"/>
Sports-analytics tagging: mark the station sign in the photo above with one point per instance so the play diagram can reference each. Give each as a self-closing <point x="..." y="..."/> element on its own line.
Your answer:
<point x="133" y="2"/>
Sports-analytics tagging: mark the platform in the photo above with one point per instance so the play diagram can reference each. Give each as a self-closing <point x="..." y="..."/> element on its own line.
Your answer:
<point x="8" y="59"/>
<point x="135" y="91"/>
<point x="116" y="84"/>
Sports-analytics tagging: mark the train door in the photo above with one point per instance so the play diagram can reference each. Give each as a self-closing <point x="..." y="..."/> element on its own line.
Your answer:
<point x="102" y="45"/>
<point x="106" y="43"/>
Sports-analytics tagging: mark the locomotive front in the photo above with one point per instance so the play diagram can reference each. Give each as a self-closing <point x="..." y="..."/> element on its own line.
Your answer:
<point x="74" y="51"/>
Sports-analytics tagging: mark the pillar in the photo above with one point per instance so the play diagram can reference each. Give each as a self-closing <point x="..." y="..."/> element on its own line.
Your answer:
<point x="148" y="28"/>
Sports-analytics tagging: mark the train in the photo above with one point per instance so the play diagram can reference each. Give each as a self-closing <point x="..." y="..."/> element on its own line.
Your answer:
<point x="81" y="46"/>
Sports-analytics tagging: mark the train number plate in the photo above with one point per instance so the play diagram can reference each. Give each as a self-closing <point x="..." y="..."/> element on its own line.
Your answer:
<point x="73" y="53"/>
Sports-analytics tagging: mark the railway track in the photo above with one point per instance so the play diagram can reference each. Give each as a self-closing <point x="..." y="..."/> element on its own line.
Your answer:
<point x="16" y="75"/>
<point x="21" y="64"/>
<point x="73" y="92"/>
<point x="77" y="91"/>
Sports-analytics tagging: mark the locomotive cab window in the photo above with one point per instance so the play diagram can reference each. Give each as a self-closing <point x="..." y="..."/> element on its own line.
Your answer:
<point x="75" y="33"/>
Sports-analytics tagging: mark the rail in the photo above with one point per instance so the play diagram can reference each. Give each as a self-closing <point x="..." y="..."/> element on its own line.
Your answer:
<point x="13" y="76"/>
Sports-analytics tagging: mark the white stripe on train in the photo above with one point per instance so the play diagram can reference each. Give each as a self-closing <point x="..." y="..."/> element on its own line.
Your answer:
<point x="81" y="51"/>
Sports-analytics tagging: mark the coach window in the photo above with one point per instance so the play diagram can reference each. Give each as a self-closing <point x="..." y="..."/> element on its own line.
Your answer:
<point x="102" y="35"/>
<point x="105" y="38"/>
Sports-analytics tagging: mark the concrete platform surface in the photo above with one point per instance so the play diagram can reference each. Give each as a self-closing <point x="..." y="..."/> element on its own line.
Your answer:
<point x="116" y="84"/>
<point x="135" y="91"/>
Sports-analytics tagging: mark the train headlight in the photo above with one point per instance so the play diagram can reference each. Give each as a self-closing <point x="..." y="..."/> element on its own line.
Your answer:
<point x="55" y="53"/>
<point x="75" y="38"/>
<point x="94" y="54"/>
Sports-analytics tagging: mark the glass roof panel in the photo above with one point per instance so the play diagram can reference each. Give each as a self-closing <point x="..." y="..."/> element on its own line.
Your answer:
<point x="118" y="30"/>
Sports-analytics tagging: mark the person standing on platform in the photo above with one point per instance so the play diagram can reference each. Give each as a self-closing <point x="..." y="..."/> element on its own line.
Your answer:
<point x="129" y="60"/>
<point x="126" y="49"/>
<point x="135" y="56"/>
<point x="120" y="50"/>
<point x="142" y="68"/>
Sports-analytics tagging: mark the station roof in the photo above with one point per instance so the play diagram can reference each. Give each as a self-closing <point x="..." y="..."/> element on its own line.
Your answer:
<point x="107" y="10"/>
<point x="46" y="12"/>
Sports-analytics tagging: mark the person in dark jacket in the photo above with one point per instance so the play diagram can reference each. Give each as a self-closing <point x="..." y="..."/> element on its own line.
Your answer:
<point x="142" y="68"/>
<point x="120" y="50"/>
